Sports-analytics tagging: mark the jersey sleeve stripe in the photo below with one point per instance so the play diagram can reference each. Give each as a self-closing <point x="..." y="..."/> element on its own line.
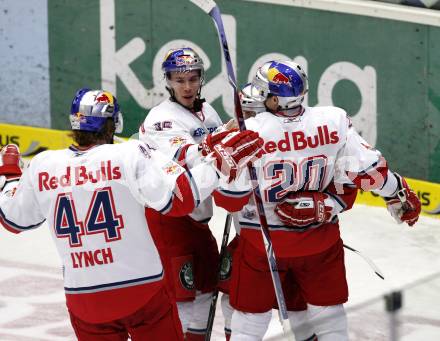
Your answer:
<point x="194" y="188"/>
<point x="371" y="178"/>
<point x="384" y="182"/>
<point x="15" y="228"/>
<point x="179" y="203"/>
<point x="375" y="165"/>
<point x="168" y="206"/>
<point x="180" y="155"/>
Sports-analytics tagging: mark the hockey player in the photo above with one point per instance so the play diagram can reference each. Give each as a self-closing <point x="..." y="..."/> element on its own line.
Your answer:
<point x="306" y="149"/>
<point x="252" y="104"/>
<point x="93" y="196"/>
<point x="179" y="125"/>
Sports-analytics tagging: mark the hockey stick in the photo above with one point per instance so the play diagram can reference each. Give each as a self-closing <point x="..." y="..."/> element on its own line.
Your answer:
<point x="368" y="260"/>
<point x="211" y="8"/>
<point x="214" y="298"/>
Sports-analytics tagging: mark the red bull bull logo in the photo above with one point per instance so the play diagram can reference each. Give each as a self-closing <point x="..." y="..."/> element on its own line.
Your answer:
<point x="276" y="77"/>
<point x="177" y="141"/>
<point x="171" y="168"/>
<point x="184" y="60"/>
<point x="104" y="97"/>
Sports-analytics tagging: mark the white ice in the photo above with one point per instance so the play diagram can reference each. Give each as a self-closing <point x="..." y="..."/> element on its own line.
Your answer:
<point x="32" y="300"/>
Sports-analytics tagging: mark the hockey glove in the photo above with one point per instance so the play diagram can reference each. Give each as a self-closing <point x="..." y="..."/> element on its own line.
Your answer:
<point x="207" y="145"/>
<point x="232" y="154"/>
<point x="10" y="164"/>
<point x="300" y="209"/>
<point x="405" y="206"/>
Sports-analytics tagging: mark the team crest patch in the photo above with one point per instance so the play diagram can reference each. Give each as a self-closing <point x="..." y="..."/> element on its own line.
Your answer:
<point x="172" y="168"/>
<point x="177" y="141"/>
<point x="226" y="266"/>
<point x="186" y="276"/>
<point x="249" y="214"/>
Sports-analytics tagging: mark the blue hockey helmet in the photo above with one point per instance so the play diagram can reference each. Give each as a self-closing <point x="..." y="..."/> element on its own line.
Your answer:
<point x="181" y="60"/>
<point x="91" y="108"/>
<point x="284" y="79"/>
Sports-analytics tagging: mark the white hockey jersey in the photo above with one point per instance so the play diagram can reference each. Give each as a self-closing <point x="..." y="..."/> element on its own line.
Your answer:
<point x="307" y="153"/>
<point x="94" y="201"/>
<point x="172" y="126"/>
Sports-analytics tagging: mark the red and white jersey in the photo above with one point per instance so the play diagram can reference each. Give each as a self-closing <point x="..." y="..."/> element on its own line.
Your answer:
<point x="177" y="131"/>
<point x="94" y="204"/>
<point x="309" y="152"/>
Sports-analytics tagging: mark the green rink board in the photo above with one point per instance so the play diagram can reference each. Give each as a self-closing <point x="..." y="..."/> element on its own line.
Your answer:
<point x="405" y="58"/>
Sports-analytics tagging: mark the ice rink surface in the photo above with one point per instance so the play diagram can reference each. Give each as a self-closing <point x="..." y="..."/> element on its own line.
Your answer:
<point x="32" y="300"/>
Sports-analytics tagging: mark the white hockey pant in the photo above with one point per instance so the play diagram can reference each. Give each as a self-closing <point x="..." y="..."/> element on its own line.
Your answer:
<point x="249" y="326"/>
<point x="300" y="325"/>
<point x="329" y="323"/>
<point x="227" y="311"/>
<point x="194" y="315"/>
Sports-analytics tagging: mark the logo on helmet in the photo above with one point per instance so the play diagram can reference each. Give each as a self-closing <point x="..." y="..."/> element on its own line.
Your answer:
<point x="276" y="77"/>
<point x="104" y="97"/>
<point x="77" y="119"/>
<point x="184" y="60"/>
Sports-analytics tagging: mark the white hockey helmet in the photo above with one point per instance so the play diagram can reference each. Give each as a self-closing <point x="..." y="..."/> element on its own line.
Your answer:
<point x="284" y="79"/>
<point x="251" y="100"/>
<point x="90" y="110"/>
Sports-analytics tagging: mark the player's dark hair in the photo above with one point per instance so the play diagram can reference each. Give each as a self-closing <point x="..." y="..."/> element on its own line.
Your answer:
<point x="269" y="96"/>
<point x="88" y="138"/>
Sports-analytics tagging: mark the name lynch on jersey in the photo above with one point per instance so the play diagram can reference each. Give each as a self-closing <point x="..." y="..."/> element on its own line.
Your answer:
<point x="300" y="141"/>
<point x="91" y="258"/>
<point x="80" y="175"/>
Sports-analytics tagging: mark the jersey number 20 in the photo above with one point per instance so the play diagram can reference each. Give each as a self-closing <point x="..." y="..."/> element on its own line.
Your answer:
<point x="285" y="176"/>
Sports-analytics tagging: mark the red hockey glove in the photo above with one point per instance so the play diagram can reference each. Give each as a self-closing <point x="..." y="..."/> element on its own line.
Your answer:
<point x="10" y="161"/>
<point x="232" y="154"/>
<point x="405" y="206"/>
<point x="10" y="164"/>
<point x="210" y="140"/>
<point x="300" y="209"/>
